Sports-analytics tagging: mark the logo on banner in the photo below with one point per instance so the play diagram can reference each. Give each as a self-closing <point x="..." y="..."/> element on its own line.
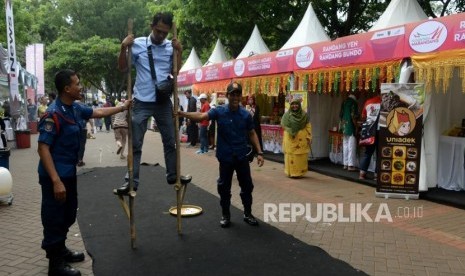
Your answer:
<point x="401" y="121"/>
<point x="428" y="36"/>
<point x="182" y="77"/>
<point x="239" y="67"/>
<point x="227" y="64"/>
<point x="304" y="57"/>
<point x="399" y="31"/>
<point x="198" y="74"/>
<point x="285" y="53"/>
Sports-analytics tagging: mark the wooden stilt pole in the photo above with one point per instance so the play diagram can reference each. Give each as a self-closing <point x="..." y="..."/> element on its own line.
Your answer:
<point x="128" y="207"/>
<point x="130" y="149"/>
<point x="181" y="184"/>
<point x="178" y="186"/>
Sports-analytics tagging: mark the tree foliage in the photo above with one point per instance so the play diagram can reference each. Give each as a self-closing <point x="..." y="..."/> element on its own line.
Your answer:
<point x="106" y="19"/>
<point x="94" y="59"/>
<point x="438" y="8"/>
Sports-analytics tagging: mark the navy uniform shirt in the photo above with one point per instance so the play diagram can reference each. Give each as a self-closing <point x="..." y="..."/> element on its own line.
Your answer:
<point x="233" y="132"/>
<point x="60" y="129"/>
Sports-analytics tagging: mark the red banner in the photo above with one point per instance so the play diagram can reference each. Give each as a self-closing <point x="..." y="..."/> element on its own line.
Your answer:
<point x="186" y="77"/>
<point x="355" y="49"/>
<point x="445" y="33"/>
<point x="265" y="64"/>
<point x="219" y="71"/>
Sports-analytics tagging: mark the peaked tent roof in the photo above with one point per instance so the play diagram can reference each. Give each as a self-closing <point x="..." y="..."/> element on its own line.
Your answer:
<point x="399" y="12"/>
<point x="218" y="55"/>
<point x="192" y="61"/>
<point x="254" y="46"/>
<point x="309" y="31"/>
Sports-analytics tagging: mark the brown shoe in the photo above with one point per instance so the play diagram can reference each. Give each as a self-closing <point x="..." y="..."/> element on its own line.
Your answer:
<point x="362" y="175"/>
<point x="352" y="168"/>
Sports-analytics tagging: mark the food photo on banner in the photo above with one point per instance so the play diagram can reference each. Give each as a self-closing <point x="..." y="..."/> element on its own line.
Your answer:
<point x="400" y="134"/>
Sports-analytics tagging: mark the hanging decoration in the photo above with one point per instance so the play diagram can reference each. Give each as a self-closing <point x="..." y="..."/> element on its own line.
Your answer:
<point x="330" y="81"/>
<point x="269" y="84"/>
<point x="347" y="78"/>
<point x="436" y="69"/>
<point x="374" y="78"/>
<point x="305" y="84"/>
<point x="361" y="79"/>
<point x="320" y="82"/>
<point x="210" y="87"/>
<point x="337" y="79"/>
<point x="368" y="72"/>
<point x="355" y="75"/>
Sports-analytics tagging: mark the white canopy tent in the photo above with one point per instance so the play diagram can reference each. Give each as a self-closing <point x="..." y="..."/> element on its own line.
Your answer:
<point x="399" y="12"/>
<point x="309" y="31"/>
<point x="192" y="62"/>
<point x="218" y="55"/>
<point x="442" y="156"/>
<point x="254" y="46"/>
<point x="441" y="112"/>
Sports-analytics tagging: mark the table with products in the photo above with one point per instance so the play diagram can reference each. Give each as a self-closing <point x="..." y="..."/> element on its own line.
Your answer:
<point x="451" y="162"/>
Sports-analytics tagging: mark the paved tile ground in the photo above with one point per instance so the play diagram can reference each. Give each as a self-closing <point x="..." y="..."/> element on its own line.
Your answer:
<point x="424" y="238"/>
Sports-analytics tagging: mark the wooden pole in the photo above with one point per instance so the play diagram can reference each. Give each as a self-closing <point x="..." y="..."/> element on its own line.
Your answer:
<point x="178" y="187"/>
<point x="130" y="149"/>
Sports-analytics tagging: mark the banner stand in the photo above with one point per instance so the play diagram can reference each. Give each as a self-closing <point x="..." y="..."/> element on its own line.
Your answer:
<point x="399" y="140"/>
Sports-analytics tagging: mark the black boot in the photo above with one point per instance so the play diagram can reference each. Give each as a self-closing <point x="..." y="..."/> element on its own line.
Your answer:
<point x="225" y="222"/>
<point x="250" y="220"/>
<point x="58" y="267"/>
<point x="72" y="256"/>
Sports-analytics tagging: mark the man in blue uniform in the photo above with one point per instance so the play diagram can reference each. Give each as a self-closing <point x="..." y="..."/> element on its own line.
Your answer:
<point x="235" y="128"/>
<point x="152" y="57"/>
<point x="59" y="143"/>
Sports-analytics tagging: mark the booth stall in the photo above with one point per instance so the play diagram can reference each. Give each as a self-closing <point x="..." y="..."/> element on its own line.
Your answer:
<point x="265" y="76"/>
<point x="270" y="93"/>
<point x="328" y="88"/>
<point x="361" y="62"/>
<point x="443" y="147"/>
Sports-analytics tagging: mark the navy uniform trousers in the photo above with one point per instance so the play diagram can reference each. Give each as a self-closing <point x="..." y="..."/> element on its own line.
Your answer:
<point x="57" y="217"/>
<point x="242" y="169"/>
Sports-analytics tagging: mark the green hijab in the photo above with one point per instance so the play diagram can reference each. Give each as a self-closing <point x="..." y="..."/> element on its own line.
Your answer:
<point x="293" y="121"/>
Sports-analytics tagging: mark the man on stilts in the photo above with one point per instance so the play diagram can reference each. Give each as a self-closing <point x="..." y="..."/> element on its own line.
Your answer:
<point x="152" y="57"/>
